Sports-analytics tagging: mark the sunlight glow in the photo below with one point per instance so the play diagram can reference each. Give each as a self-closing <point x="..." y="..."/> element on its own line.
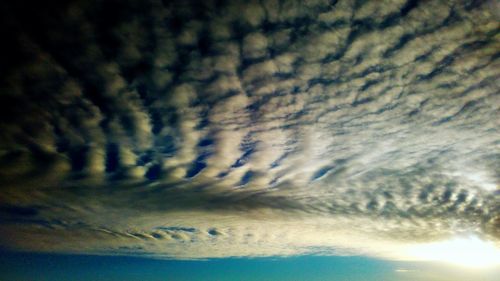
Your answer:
<point x="463" y="251"/>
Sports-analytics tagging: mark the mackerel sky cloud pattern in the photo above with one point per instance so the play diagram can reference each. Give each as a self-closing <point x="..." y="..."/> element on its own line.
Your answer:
<point x="194" y="129"/>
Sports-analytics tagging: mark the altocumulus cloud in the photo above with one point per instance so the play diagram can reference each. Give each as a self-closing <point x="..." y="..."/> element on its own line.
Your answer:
<point x="192" y="129"/>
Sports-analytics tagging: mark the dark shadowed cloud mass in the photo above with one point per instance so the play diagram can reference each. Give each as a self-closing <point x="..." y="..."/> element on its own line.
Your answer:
<point x="192" y="129"/>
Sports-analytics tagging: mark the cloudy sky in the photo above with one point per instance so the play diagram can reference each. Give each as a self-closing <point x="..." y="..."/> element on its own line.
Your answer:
<point x="206" y="129"/>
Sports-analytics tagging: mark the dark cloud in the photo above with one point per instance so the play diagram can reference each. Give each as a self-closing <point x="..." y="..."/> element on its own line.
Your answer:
<point x="203" y="123"/>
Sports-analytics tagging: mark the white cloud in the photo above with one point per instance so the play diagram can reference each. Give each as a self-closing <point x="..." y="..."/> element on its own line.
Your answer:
<point x="304" y="127"/>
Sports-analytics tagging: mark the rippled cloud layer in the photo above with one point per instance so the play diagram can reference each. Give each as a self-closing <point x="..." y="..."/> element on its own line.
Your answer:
<point x="194" y="129"/>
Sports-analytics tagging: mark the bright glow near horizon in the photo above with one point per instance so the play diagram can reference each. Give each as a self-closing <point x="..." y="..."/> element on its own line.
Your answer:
<point x="464" y="251"/>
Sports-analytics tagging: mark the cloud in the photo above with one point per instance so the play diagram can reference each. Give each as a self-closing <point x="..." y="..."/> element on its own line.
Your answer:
<point x="249" y="128"/>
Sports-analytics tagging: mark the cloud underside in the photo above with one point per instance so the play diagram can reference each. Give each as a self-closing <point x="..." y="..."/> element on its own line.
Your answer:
<point x="249" y="128"/>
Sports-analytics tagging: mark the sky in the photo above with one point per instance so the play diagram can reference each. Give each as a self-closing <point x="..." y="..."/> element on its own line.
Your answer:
<point x="48" y="267"/>
<point x="349" y="132"/>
